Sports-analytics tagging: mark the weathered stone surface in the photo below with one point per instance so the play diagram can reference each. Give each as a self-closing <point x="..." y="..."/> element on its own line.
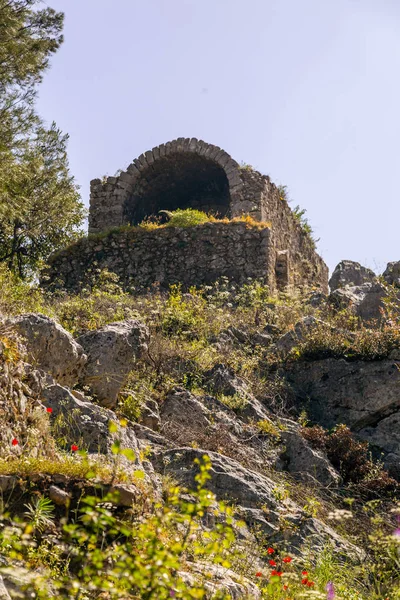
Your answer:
<point x="112" y="352"/>
<point x="59" y="496"/>
<point x="365" y="301"/>
<point x="363" y="395"/>
<point x="229" y="480"/>
<point x="350" y="273"/>
<point x="50" y="347"/>
<point x="125" y="494"/>
<point x="184" y="409"/>
<point x="220" y="579"/>
<point x="304" y="462"/>
<point x="297" y="335"/>
<point x="262" y="339"/>
<point x="223" y="380"/>
<point x="86" y="424"/>
<point x="150" y="415"/>
<point x="392" y="273"/>
<point x="250" y="490"/>
<point x="7" y="482"/>
<point x="191" y="256"/>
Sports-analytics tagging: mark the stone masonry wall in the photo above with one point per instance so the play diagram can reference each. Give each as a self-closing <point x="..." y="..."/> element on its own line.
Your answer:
<point x="293" y="246"/>
<point x="192" y="256"/>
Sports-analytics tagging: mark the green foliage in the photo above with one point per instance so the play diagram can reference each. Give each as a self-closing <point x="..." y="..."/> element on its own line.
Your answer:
<point x="39" y="201"/>
<point x="182" y="317"/>
<point x="363" y="344"/>
<point x="122" y="557"/>
<point x="237" y="402"/>
<point x="270" y="429"/>
<point x="40" y="514"/>
<point x="187" y="218"/>
<point x="298" y="214"/>
<point x="17" y="296"/>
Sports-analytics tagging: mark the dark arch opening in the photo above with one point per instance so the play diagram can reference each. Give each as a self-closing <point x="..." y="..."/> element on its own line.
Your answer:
<point x="179" y="181"/>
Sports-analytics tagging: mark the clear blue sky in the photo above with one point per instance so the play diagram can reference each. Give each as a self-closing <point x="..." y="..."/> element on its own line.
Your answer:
<point x="307" y="91"/>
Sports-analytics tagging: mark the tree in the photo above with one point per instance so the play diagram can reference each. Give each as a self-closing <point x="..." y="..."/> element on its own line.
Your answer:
<point x="40" y="208"/>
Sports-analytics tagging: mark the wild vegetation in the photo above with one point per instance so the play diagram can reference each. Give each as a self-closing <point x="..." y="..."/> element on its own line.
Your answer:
<point x="95" y="542"/>
<point x="170" y="540"/>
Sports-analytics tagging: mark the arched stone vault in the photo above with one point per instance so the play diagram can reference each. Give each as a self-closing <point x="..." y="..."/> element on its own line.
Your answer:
<point x="184" y="173"/>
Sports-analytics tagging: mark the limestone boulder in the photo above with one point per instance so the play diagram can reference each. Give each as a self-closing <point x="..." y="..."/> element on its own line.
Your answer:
<point x="229" y="479"/>
<point x="255" y="499"/>
<point x="306" y="463"/>
<point x="365" y="395"/>
<point x="50" y="347"/>
<point x="217" y="579"/>
<point x="223" y="380"/>
<point x="184" y="410"/>
<point x="112" y="353"/>
<point x="350" y="273"/>
<point x="85" y="424"/>
<point x="392" y="273"/>
<point x="364" y="301"/>
<point x="150" y="415"/>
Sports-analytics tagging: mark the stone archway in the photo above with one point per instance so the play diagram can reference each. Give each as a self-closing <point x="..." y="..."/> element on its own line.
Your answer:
<point x="184" y="173"/>
<point x="179" y="180"/>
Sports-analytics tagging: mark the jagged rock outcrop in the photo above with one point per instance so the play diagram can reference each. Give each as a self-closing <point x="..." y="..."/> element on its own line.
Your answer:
<point x="350" y="273"/>
<point x="365" y="395"/>
<point x="85" y="424"/>
<point x="306" y="463"/>
<point x="112" y="353"/>
<point x="392" y="273"/>
<point x="50" y="347"/>
<point x="254" y="496"/>
<point x="364" y="301"/>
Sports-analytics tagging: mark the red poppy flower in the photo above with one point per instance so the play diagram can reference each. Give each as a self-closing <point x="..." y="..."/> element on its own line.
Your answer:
<point x="304" y="581"/>
<point x="310" y="583"/>
<point x="272" y="563"/>
<point x="14" y="442"/>
<point x="287" y="559"/>
<point x="276" y="573"/>
<point x="49" y="410"/>
<point x="304" y="572"/>
<point x="286" y="587"/>
<point x="270" y="550"/>
<point x="259" y="574"/>
<point x="74" y="447"/>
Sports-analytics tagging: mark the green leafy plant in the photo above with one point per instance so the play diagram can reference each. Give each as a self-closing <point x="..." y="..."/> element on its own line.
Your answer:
<point x="40" y="514"/>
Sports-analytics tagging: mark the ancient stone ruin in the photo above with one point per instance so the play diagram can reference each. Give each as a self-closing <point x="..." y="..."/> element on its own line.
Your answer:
<point x="270" y="244"/>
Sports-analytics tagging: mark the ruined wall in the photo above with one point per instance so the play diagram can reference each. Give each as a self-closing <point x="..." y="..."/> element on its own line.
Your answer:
<point x="192" y="256"/>
<point x="188" y="173"/>
<point x="297" y="263"/>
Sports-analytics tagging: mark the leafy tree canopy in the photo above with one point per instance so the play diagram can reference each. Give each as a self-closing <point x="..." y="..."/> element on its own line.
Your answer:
<point x="40" y="207"/>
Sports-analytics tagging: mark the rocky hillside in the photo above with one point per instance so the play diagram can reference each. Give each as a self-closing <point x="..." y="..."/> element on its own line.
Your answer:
<point x="214" y="444"/>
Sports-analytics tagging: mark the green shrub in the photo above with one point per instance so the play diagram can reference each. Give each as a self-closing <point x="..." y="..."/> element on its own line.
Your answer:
<point x="123" y="557"/>
<point x="187" y="218"/>
<point x="17" y="296"/>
